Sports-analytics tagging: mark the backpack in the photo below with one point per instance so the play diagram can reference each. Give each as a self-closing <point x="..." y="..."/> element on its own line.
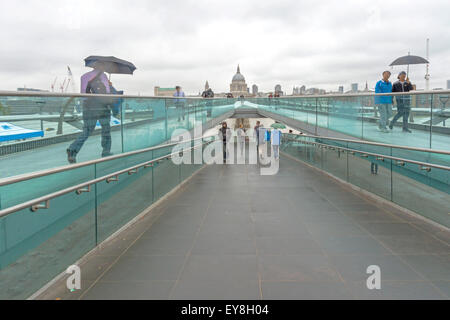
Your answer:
<point x="96" y="85"/>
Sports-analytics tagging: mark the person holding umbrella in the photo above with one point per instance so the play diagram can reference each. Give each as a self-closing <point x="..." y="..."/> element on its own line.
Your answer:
<point x="98" y="108"/>
<point x="384" y="103"/>
<point x="403" y="102"/>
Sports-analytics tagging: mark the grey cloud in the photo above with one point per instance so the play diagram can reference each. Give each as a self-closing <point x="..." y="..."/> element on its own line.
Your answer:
<point x="323" y="44"/>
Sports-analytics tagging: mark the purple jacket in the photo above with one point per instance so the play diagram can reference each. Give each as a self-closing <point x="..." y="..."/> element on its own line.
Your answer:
<point x="85" y="78"/>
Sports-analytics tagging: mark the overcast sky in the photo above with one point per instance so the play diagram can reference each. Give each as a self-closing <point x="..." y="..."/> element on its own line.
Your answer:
<point x="182" y="42"/>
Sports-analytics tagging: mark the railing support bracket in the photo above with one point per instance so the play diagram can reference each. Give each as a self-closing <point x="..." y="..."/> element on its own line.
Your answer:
<point x="115" y="178"/>
<point x="82" y="190"/>
<point x="37" y="207"/>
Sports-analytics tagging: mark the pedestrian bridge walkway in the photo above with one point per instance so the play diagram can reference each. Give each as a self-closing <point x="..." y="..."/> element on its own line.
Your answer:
<point x="141" y="226"/>
<point x="230" y="233"/>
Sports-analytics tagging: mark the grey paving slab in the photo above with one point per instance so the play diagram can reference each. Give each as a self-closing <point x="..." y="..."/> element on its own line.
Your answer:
<point x="322" y="229"/>
<point x="433" y="267"/>
<point x="216" y="290"/>
<point x="354" y="268"/>
<point x="154" y="290"/>
<point x="414" y="244"/>
<point x="306" y="290"/>
<point x="352" y="245"/>
<point x="391" y="229"/>
<point x="145" y="269"/>
<point x="443" y="286"/>
<point x="150" y="245"/>
<point x="224" y="245"/>
<point x="213" y="267"/>
<point x="303" y="268"/>
<point x="287" y="245"/>
<point x="397" y="290"/>
<point x="371" y="216"/>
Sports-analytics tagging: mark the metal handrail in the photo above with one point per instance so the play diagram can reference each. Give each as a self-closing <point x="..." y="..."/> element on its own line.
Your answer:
<point x="376" y="144"/>
<point x="36" y="204"/>
<point x="85" y="95"/>
<point x="89" y="95"/>
<point x="42" y="173"/>
<point x="423" y="165"/>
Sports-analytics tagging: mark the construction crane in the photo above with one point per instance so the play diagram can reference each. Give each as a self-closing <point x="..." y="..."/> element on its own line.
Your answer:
<point x="427" y="75"/>
<point x="63" y="85"/>
<point x="53" y="84"/>
<point x="71" y="81"/>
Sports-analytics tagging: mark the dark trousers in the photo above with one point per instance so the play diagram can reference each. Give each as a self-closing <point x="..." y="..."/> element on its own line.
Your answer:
<point x="224" y="151"/>
<point x="374" y="168"/>
<point x="208" y="109"/>
<point x="90" y="118"/>
<point x="180" y="110"/>
<point x="402" y="111"/>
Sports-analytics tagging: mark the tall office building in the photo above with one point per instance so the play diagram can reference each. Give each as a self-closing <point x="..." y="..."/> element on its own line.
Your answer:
<point x="354" y="87"/>
<point x="302" y="89"/>
<point x="341" y="89"/>
<point x="278" y="89"/>
<point x="255" y="89"/>
<point x="448" y="84"/>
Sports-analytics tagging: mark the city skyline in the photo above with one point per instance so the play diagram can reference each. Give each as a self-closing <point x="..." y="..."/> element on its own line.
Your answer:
<point x="291" y="43"/>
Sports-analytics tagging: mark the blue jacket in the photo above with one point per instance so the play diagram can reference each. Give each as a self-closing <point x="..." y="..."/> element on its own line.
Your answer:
<point x="383" y="87"/>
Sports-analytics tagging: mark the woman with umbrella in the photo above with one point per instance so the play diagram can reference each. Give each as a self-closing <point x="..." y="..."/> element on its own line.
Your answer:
<point x="403" y="102"/>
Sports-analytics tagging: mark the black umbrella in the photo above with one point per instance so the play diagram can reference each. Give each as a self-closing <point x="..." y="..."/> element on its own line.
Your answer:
<point x="407" y="60"/>
<point x="110" y="64"/>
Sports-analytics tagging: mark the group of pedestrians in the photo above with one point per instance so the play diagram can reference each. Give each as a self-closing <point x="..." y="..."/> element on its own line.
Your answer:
<point x="261" y="134"/>
<point x="384" y="103"/>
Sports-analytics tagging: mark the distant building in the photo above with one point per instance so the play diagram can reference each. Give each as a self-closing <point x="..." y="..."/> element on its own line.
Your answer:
<point x="303" y="89"/>
<point x="238" y="86"/>
<point x="164" y="92"/>
<point x="312" y="91"/>
<point x="255" y="90"/>
<point x="206" y="85"/>
<point x="299" y="90"/>
<point x="278" y="90"/>
<point x="366" y="89"/>
<point x="354" y="87"/>
<point x="30" y="90"/>
<point x="448" y="84"/>
<point x="341" y="89"/>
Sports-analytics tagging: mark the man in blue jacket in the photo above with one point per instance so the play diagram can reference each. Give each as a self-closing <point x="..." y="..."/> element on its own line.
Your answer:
<point x="384" y="103"/>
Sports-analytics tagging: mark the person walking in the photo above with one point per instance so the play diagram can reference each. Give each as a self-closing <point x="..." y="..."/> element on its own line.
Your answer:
<point x="94" y="109"/>
<point x="262" y="139"/>
<point x="179" y="102"/>
<point x="403" y="102"/>
<point x="241" y="139"/>
<point x="384" y="103"/>
<point x="256" y="134"/>
<point x="276" y="142"/>
<point x="208" y="94"/>
<point x="225" y="134"/>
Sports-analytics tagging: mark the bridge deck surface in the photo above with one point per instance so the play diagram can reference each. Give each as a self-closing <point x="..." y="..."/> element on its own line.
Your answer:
<point x="230" y="233"/>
